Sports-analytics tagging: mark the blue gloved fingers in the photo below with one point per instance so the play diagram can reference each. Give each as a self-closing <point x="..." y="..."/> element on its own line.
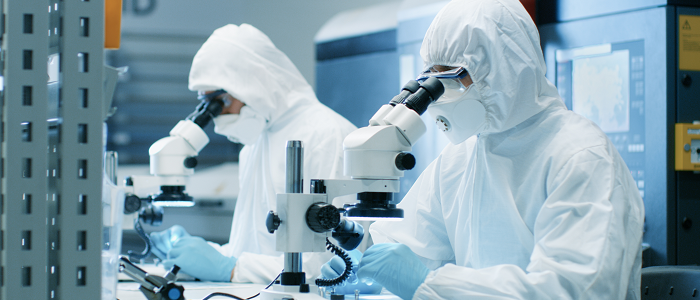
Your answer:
<point x="197" y="258"/>
<point x="336" y="266"/>
<point x="371" y="260"/>
<point x="395" y="267"/>
<point x="162" y="241"/>
<point x="333" y="268"/>
<point x="186" y="245"/>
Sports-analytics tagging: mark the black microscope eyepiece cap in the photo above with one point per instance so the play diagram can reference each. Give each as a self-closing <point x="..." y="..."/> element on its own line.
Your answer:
<point x="409" y="88"/>
<point x="430" y="90"/>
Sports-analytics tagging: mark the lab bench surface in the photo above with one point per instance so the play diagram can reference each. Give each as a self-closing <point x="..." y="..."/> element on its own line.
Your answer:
<point x="196" y="290"/>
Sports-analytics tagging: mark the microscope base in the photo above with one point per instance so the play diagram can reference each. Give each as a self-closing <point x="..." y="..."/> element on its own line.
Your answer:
<point x="275" y="295"/>
<point x="279" y="292"/>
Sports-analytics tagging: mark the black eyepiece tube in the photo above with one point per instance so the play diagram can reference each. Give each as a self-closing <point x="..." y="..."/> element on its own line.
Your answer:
<point x="408" y="89"/>
<point x="430" y="90"/>
<point x="206" y="111"/>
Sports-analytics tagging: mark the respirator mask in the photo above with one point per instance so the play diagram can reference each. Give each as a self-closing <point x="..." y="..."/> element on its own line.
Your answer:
<point x="459" y="113"/>
<point x="243" y="128"/>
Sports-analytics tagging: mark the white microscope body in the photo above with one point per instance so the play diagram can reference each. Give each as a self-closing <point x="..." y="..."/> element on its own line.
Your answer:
<point x="172" y="160"/>
<point x="375" y="157"/>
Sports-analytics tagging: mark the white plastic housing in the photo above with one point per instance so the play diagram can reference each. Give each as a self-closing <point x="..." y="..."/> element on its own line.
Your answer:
<point x="378" y="118"/>
<point x="168" y="154"/>
<point x="192" y="133"/>
<point x="370" y="152"/>
<point x="408" y="122"/>
<point x="294" y="235"/>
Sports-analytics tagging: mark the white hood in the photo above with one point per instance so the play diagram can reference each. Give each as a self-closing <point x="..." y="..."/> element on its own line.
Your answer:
<point x="498" y="43"/>
<point x="245" y="63"/>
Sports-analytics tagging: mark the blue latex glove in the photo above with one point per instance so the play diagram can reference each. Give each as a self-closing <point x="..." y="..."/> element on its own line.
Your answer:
<point x="162" y="241"/>
<point x="395" y="267"/>
<point x="198" y="259"/>
<point x="336" y="266"/>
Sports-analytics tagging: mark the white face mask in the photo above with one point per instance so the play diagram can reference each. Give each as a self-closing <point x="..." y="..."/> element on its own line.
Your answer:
<point x="244" y="128"/>
<point x="460" y="118"/>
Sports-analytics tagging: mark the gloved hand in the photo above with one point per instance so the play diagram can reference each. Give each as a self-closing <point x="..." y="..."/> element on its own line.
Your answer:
<point x="395" y="267"/>
<point x="162" y="241"/>
<point x="198" y="259"/>
<point x="334" y="267"/>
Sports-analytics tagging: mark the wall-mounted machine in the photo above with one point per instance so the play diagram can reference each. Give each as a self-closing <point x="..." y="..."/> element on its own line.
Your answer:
<point x="633" y="67"/>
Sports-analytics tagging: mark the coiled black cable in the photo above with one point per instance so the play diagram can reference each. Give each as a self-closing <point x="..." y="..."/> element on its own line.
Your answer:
<point x="147" y="251"/>
<point x="348" y="266"/>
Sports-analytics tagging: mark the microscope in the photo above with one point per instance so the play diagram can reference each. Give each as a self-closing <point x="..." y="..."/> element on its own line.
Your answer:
<point x="374" y="158"/>
<point x="172" y="161"/>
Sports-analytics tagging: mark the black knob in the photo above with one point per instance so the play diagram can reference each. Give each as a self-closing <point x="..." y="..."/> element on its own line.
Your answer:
<point x="686" y="223"/>
<point x="272" y="222"/>
<point x="405" y="161"/>
<point x="322" y="217"/>
<point x="151" y="215"/>
<point x="171" y="291"/>
<point x="132" y="204"/>
<point x="128" y="181"/>
<point x="686" y="81"/>
<point x="697" y="150"/>
<point x="190" y="162"/>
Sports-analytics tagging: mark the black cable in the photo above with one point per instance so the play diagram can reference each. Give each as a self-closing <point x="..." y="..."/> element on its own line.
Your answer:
<point x="147" y="251"/>
<point x="348" y="266"/>
<point x="212" y="295"/>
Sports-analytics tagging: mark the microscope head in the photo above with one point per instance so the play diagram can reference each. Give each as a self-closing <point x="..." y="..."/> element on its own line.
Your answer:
<point x="381" y="151"/>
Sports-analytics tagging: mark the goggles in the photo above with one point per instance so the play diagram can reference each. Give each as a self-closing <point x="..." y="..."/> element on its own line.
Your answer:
<point x="456" y="73"/>
<point x="450" y="79"/>
<point x="213" y="95"/>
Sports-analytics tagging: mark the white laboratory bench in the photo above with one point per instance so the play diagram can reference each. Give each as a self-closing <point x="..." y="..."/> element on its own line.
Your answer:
<point x="196" y="290"/>
<point x="193" y="290"/>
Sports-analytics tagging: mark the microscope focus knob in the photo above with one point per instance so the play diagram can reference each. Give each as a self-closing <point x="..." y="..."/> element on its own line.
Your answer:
<point x="322" y="217"/>
<point x="272" y="222"/>
<point x="190" y="162"/>
<point x="405" y="161"/>
<point x="132" y="204"/>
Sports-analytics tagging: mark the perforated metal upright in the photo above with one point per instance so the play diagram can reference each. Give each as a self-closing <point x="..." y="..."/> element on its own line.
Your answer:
<point x="52" y="149"/>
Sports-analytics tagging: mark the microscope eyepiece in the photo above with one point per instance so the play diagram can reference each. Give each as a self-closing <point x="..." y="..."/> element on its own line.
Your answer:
<point x="430" y="90"/>
<point x="408" y="89"/>
<point x="206" y="111"/>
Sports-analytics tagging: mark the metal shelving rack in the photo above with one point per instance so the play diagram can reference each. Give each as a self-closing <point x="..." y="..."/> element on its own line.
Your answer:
<point x="51" y="218"/>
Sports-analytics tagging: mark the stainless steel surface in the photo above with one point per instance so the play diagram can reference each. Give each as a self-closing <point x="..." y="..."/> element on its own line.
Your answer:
<point x="292" y="262"/>
<point x="295" y="167"/>
<point x="295" y="178"/>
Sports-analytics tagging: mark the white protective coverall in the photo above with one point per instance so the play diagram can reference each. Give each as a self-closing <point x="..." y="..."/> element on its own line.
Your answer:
<point x="539" y="205"/>
<point x="245" y="63"/>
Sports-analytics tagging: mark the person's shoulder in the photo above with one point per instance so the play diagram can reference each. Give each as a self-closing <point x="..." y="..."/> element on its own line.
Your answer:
<point x="573" y="131"/>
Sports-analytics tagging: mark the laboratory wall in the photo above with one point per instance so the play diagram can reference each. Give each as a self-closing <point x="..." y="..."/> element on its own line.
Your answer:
<point x="159" y="40"/>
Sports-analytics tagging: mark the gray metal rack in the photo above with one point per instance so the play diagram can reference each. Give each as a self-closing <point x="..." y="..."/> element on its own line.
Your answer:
<point x="52" y="149"/>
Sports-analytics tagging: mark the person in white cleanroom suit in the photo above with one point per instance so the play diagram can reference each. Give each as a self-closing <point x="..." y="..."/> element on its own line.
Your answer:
<point x="529" y="201"/>
<point x="270" y="103"/>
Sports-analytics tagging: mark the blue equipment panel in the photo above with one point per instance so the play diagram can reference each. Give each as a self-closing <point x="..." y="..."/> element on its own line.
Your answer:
<point x="630" y="60"/>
